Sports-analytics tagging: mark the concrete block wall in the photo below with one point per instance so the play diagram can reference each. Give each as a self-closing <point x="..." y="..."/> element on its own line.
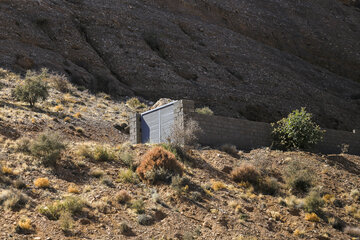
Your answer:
<point x="246" y="135"/>
<point x="135" y="128"/>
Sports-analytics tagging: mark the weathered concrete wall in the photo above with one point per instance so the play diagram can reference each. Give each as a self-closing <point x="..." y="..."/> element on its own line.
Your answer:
<point x="246" y="135"/>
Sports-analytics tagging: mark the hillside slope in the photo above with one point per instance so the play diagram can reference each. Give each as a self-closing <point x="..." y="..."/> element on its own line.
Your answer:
<point x="254" y="59"/>
<point x="93" y="193"/>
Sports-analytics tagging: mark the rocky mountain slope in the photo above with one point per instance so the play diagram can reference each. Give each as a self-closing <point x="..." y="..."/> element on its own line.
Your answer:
<point x="255" y="59"/>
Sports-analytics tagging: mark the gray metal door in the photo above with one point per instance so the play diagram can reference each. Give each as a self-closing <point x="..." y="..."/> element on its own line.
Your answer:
<point x="156" y="124"/>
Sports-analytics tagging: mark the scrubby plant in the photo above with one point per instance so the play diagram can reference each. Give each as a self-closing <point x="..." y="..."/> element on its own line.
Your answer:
<point x="180" y="185"/>
<point x="7" y="170"/>
<point x="60" y="83"/>
<point x="246" y="172"/>
<point x="42" y="183"/>
<point x="66" y="221"/>
<point x="229" y="148"/>
<point x="32" y="89"/>
<point x="123" y="197"/>
<point x="186" y="135"/>
<point x="23" y="145"/>
<point x="97" y="173"/>
<point x="127" y="158"/>
<point x="19" y="184"/>
<point x="77" y="115"/>
<point x="127" y="176"/>
<point x="298" y="177"/>
<point x="145" y="219"/>
<point x="13" y="200"/>
<point x="154" y="160"/>
<point x="269" y="185"/>
<point x="47" y="146"/>
<point x="353" y="210"/>
<point x="297" y="131"/>
<point x="71" y="204"/>
<point x="138" y="206"/>
<point x="103" y="154"/>
<point x="313" y="202"/>
<point x="293" y="202"/>
<point x="124" y="228"/>
<point x="204" y="111"/>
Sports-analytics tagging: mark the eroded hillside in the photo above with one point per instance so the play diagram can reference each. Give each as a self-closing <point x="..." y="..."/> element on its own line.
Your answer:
<point x="253" y="59"/>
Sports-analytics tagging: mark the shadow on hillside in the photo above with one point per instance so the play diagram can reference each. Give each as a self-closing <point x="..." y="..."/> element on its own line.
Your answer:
<point x="344" y="164"/>
<point x="9" y="132"/>
<point x="70" y="172"/>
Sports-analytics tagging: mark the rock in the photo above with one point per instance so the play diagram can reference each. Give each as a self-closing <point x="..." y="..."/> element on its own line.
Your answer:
<point x="226" y="169"/>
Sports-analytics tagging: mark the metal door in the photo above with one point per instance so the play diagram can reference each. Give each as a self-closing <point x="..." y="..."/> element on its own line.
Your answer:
<point x="156" y="124"/>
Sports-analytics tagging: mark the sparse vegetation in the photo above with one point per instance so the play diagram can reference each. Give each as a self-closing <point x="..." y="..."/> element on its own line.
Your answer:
<point x="48" y="147"/>
<point x="298" y="177"/>
<point x="66" y="221"/>
<point x="24" y="226"/>
<point x="13" y="200"/>
<point x="313" y="202"/>
<point x="123" y="197"/>
<point x="135" y="104"/>
<point x="229" y="148"/>
<point x="124" y="228"/>
<point x="127" y="176"/>
<point x="245" y="173"/>
<point x="204" y="110"/>
<point x="160" y="162"/>
<point x="145" y="219"/>
<point x="184" y="135"/>
<point x="312" y="217"/>
<point x="32" y="89"/>
<point x="138" y="205"/>
<point x="70" y="204"/>
<point x="297" y="131"/>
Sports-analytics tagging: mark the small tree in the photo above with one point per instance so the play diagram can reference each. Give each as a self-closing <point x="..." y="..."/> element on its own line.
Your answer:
<point x="33" y="88"/>
<point x="297" y="131"/>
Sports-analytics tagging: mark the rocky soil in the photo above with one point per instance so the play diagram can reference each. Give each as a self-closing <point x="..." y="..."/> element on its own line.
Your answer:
<point x="254" y="59"/>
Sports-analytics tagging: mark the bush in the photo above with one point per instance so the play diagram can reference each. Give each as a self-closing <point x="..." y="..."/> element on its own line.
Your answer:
<point x="180" y="184"/>
<point x="298" y="178"/>
<point x="156" y="161"/>
<point x="144" y="219"/>
<point x="127" y="158"/>
<point x="184" y="135"/>
<point x="204" y="110"/>
<point x="13" y="200"/>
<point x="313" y="202"/>
<point x="47" y="146"/>
<point x="138" y="206"/>
<point x="23" y="145"/>
<point x="245" y="173"/>
<point x="32" y="89"/>
<point x="297" y="131"/>
<point x="42" y="183"/>
<point x="66" y="221"/>
<point x="70" y="204"/>
<point x="127" y="176"/>
<point x="125" y="229"/>
<point x="60" y="83"/>
<point x="355" y="194"/>
<point x="103" y="154"/>
<point x="352" y="231"/>
<point x="123" y="197"/>
<point x="24" y="226"/>
<point x="269" y="186"/>
<point x="229" y="148"/>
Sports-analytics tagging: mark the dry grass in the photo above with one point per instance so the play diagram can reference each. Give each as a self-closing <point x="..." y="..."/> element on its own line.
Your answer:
<point x="123" y="197"/>
<point x="7" y="170"/>
<point x="25" y="224"/>
<point x="42" y="183"/>
<point x="312" y="217"/>
<point x="73" y="189"/>
<point x="217" y="185"/>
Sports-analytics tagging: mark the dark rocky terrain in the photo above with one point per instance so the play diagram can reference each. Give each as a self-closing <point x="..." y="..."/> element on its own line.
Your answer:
<point x="246" y="58"/>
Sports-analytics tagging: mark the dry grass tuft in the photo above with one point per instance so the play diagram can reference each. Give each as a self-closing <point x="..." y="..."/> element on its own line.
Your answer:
<point x="312" y="217"/>
<point x="217" y="185"/>
<point x="42" y="182"/>
<point x="73" y="189"/>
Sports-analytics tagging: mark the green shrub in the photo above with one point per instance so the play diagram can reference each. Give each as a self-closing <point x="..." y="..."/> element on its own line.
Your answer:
<point x="269" y="185"/>
<point x="32" y="89"/>
<point x="298" y="178"/>
<point x="124" y="228"/>
<point x="204" y="110"/>
<point x="47" y="146"/>
<point x="13" y="200"/>
<point x="66" y="221"/>
<point x="144" y="219"/>
<point x="297" y="131"/>
<point x="127" y="158"/>
<point x="313" y="202"/>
